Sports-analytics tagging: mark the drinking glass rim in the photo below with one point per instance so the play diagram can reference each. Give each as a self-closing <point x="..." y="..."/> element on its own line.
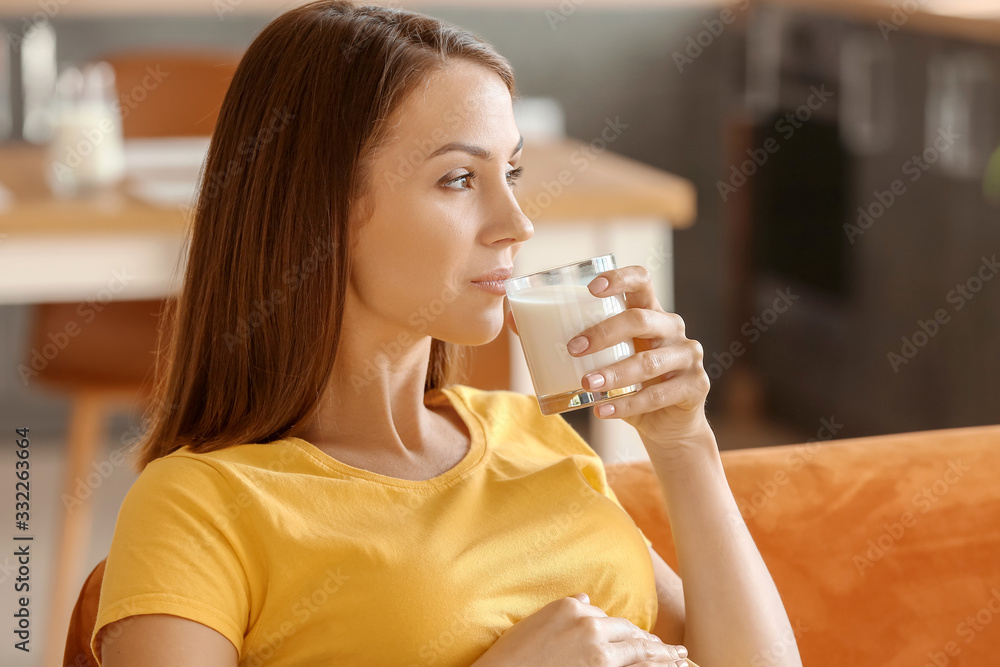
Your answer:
<point x="578" y="263"/>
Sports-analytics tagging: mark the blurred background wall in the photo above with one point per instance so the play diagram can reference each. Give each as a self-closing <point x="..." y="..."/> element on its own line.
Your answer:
<point x="703" y="87"/>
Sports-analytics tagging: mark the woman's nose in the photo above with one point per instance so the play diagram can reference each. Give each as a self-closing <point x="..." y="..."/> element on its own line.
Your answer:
<point x="525" y="230"/>
<point x="520" y="224"/>
<point x="507" y="222"/>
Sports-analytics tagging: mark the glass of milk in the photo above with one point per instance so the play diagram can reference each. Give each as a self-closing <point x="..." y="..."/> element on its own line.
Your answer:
<point x="550" y="308"/>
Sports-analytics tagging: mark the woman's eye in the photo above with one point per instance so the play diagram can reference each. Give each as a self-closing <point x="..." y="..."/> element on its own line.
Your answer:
<point x="464" y="177"/>
<point x="512" y="177"/>
<point x="514" y="174"/>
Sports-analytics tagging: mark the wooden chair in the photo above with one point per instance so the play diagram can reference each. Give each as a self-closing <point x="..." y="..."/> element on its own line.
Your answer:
<point x="108" y="366"/>
<point x="77" y="651"/>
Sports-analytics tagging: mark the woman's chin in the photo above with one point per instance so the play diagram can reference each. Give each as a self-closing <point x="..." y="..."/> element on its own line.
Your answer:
<point x="481" y="332"/>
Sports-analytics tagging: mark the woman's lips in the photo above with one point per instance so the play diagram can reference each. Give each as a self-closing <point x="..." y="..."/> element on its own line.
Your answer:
<point x="492" y="286"/>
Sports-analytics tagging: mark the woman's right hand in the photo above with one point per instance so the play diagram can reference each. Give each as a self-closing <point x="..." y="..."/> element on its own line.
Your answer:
<point x="571" y="632"/>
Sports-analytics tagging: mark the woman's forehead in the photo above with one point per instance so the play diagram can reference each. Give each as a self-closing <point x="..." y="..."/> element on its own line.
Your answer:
<point x="460" y="103"/>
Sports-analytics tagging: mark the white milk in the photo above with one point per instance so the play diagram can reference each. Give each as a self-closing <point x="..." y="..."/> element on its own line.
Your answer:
<point x="547" y="317"/>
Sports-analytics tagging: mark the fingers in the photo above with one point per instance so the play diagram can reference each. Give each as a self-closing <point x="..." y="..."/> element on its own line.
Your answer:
<point x="588" y="609"/>
<point x="658" y="327"/>
<point x="617" y="629"/>
<point x="641" y="367"/>
<point x="635" y="281"/>
<point x="643" y="652"/>
<point x="634" y="646"/>
<point x="625" y="642"/>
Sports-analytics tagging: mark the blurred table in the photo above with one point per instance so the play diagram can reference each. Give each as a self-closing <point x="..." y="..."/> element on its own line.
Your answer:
<point x="584" y="201"/>
<point x="65" y="251"/>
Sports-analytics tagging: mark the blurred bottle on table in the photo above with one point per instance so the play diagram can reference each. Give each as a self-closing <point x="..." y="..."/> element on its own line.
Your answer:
<point x="86" y="153"/>
<point x="6" y="104"/>
<point x="37" y="46"/>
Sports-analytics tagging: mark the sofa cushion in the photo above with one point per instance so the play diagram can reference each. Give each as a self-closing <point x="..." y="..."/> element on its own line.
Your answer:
<point x="885" y="549"/>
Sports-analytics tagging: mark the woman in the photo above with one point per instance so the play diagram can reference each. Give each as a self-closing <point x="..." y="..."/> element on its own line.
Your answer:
<point x="313" y="488"/>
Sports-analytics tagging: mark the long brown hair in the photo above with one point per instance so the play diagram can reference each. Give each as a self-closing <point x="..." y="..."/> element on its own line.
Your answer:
<point x="248" y="345"/>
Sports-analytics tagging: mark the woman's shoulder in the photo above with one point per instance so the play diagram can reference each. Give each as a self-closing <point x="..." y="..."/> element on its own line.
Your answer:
<point x="221" y="460"/>
<point x="216" y="473"/>
<point x="174" y="476"/>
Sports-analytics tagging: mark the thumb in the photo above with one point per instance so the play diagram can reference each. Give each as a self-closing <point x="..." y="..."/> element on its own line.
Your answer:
<point x="583" y="597"/>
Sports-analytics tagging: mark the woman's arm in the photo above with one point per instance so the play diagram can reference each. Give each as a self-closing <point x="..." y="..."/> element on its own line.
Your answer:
<point x="669" y="601"/>
<point x="163" y="640"/>
<point x="733" y="613"/>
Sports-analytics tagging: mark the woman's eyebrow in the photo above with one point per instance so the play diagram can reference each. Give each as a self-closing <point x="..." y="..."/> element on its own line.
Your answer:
<point x="475" y="151"/>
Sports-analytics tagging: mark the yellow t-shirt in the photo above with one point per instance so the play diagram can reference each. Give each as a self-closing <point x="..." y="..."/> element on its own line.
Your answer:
<point x="299" y="559"/>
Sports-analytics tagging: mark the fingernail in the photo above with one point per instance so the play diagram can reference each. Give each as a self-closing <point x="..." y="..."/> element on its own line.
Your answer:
<point x="600" y="285"/>
<point x="606" y="410"/>
<point x="682" y="651"/>
<point x="577" y="345"/>
<point x="595" y="380"/>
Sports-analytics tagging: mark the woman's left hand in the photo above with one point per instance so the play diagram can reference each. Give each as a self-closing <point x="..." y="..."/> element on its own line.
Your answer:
<point x="670" y="407"/>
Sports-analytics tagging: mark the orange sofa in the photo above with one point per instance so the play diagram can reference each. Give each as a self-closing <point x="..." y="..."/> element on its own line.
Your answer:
<point x="886" y="549"/>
